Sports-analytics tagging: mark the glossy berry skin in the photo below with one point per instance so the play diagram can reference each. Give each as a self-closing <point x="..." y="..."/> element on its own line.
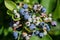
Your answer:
<point x="41" y="34"/>
<point x="25" y="6"/>
<point x="15" y="34"/>
<point x="22" y="11"/>
<point x="32" y="26"/>
<point x="43" y="10"/>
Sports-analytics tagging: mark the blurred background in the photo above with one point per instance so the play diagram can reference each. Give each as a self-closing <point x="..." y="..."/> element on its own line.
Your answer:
<point x="52" y="6"/>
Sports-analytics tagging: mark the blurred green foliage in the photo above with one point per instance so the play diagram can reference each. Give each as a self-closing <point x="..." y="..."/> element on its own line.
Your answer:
<point x="49" y="5"/>
<point x="56" y="14"/>
<point x="47" y="37"/>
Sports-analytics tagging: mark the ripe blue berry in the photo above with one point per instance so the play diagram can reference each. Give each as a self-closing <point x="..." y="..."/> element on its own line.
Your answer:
<point x="25" y="6"/>
<point x="41" y="34"/>
<point x="26" y="16"/>
<point x="54" y="23"/>
<point x="15" y="34"/>
<point x="22" y="11"/>
<point x="43" y="10"/>
<point x="47" y="26"/>
<point x="26" y="13"/>
<point x="37" y="32"/>
<point x="41" y="24"/>
<point x="32" y="26"/>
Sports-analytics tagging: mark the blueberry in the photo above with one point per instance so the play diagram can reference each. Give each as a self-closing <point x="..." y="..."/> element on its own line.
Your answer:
<point x="32" y="26"/>
<point x="41" y="34"/>
<point x="11" y="24"/>
<point x="31" y="14"/>
<point x="54" y="23"/>
<point x="37" y="32"/>
<point x="25" y="6"/>
<point x="26" y="13"/>
<point x="15" y="34"/>
<point x="26" y="16"/>
<point x="43" y="10"/>
<point x="47" y="26"/>
<point x="22" y="11"/>
<point x="42" y="24"/>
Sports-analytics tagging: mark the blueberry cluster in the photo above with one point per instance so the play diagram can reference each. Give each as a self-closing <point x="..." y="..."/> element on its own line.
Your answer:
<point x="33" y="18"/>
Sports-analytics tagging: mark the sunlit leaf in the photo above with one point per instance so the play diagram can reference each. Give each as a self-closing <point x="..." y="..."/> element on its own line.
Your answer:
<point x="27" y="1"/>
<point x="33" y="1"/>
<point x="17" y="1"/>
<point x="30" y="1"/>
<point x="10" y="4"/>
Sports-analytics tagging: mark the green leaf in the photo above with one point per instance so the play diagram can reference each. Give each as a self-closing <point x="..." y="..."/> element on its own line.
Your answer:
<point x="48" y="4"/>
<point x="56" y="13"/>
<point x="31" y="2"/>
<point x="55" y="30"/>
<point x="27" y="1"/>
<point x="10" y="5"/>
<point x="10" y="29"/>
<point x="34" y="38"/>
<point x="47" y="37"/>
<point x="17" y="1"/>
<point x="1" y="1"/>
